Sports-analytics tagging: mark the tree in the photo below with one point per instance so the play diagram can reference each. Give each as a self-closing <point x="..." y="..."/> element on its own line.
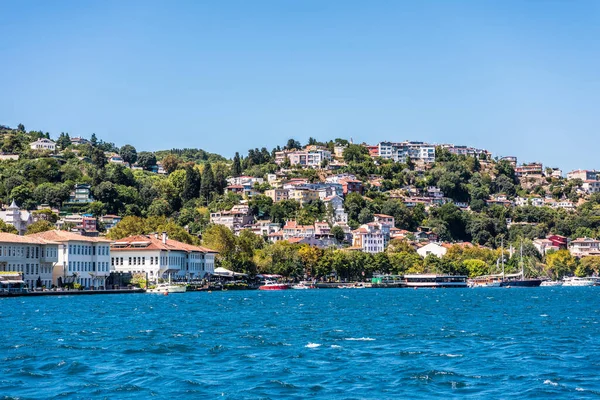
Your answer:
<point x="260" y="206"/>
<point x="94" y="140"/>
<point x="207" y="182"/>
<point x="63" y="141"/>
<point x="355" y="153"/>
<point x="338" y="233"/>
<point x="146" y="160"/>
<point x="236" y="169"/>
<point x="129" y="154"/>
<point x="191" y="184"/>
<point x="588" y="266"/>
<point x="170" y="163"/>
<point x="4" y="227"/>
<point x="221" y="239"/>
<point x="560" y="263"/>
<point x="21" y="127"/>
<point x="293" y="144"/>
<point x="39" y="226"/>
<point x="98" y="157"/>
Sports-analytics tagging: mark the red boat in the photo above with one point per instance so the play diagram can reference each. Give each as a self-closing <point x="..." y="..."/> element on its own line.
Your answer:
<point x="272" y="285"/>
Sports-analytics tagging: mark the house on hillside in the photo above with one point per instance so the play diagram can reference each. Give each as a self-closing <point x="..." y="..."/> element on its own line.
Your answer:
<point x="43" y="144"/>
<point x="16" y="217"/>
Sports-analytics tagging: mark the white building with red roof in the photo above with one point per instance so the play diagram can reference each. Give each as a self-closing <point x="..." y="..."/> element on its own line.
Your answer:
<point x="81" y="259"/>
<point x="161" y="257"/>
<point x="33" y="257"/>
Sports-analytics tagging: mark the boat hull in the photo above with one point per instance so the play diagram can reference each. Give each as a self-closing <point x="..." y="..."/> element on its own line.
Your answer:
<point x="274" y="287"/>
<point x="169" y="289"/>
<point x="522" y="283"/>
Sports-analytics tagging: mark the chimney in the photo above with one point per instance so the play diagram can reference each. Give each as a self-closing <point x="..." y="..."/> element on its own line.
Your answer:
<point x="164" y="237"/>
<point x="155" y="235"/>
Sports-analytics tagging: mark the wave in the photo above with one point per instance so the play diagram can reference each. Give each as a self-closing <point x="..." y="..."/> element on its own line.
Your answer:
<point x="362" y="339"/>
<point x="549" y="382"/>
<point x="312" y="345"/>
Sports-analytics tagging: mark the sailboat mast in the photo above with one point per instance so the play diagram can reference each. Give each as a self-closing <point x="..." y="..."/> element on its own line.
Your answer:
<point x="502" y="255"/>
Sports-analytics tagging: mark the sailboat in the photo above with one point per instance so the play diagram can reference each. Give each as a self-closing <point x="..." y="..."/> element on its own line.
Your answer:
<point x="518" y="280"/>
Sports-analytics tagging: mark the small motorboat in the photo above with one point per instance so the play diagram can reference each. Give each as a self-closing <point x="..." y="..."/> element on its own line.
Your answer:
<point x="303" y="285"/>
<point x="273" y="285"/>
<point x="167" y="288"/>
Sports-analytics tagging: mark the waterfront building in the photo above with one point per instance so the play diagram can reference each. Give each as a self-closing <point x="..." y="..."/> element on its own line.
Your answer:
<point x="160" y="257"/>
<point x="32" y="257"/>
<point x="16" y="217"/>
<point x="370" y="238"/>
<point x="81" y="259"/>
<point x="43" y="144"/>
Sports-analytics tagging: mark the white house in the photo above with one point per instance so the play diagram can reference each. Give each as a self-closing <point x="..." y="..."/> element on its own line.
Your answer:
<point x="43" y="144"/>
<point x="585" y="247"/>
<point x="161" y="257"/>
<point x="432" y="248"/>
<point x="16" y="217"/>
<point x="370" y="238"/>
<point x="336" y="204"/>
<point x="81" y="259"/>
<point x="33" y="257"/>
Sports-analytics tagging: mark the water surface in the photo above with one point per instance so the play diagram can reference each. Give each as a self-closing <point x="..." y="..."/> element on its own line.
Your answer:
<point x="343" y="344"/>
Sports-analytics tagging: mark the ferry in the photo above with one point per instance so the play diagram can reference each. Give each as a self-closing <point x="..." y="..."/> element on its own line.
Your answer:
<point x="435" y="281"/>
<point x="485" y="281"/>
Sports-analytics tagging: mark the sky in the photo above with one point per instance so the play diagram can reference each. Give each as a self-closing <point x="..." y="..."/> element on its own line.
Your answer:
<point x="515" y="77"/>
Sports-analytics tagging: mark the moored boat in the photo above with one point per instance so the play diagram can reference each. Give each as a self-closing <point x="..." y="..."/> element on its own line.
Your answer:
<point x="485" y="281"/>
<point x="577" y="281"/>
<point x="435" y="281"/>
<point x="303" y="286"/>
<point x="551" y="283"/>
<point x="167" y="288"/>
<point x="273" y="285"/>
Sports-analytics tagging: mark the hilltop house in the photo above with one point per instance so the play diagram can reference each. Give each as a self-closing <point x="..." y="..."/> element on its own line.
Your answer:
<point x="43" y="144"/>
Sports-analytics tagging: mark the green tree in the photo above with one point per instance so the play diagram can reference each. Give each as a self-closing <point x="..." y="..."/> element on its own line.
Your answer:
<point x="236" y="169"/>
<point x="191" y="186"/>
<point x="207" y="182"/>
<point x="39" y="226"/>
<point x="146" y="160"/>
<point x="4" y="227"/>
<point x="129" y="154"/>
<point x="338" y="233"/>
<point x="560" y="263"/>
<point x="170" y="163"/>
<point x="355" y="153"/>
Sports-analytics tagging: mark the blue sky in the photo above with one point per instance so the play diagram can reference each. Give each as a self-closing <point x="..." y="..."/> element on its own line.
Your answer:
<point x="516" y="77"/>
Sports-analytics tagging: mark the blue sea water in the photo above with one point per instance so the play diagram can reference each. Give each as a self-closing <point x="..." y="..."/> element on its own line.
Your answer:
<point x="342" y="344"/>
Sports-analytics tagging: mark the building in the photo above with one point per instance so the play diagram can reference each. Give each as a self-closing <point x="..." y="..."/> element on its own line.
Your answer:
<point x="384" y="219"/>
<point x="82" y="223"/>
<point x="110" y="221"/>
<point x="335" y="206"/>
<point x="82" y="193"/>
<point x="584" y="175"/>
<point x="303" y="195"/>
<point x="33" y="257"/>
<point x="351" y="186"/>
<point x="436" y="249"/>
<point x="529" y="169"/>
<point x="404" y="151"/>
<point x="369" y="238"/>
<point x="235" y="219"/>
<point x="585" y="247"/>
<point x="160" y="257"/>
<point x="43" y="144"/>
<point x="292" y="229"/>
<point x="544" y="246"/>
<point x="81" y="259"/>
<point x="78" y="140"/>
<point x="312" y="156"/>
<point x="467" y="151"/>
<point x="591" y="186"/>
<point x="511" y="159"/>
<point x="115" y="159"/>
<point x="245" y="180"/>
<point x="16" y="217"/>
<point x="277" y="195"/>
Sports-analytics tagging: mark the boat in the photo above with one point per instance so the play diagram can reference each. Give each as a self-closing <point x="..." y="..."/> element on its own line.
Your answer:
<point x="485" y="281"/>
<point x="273" y="285"/>
<point x="577" y="281"/>
<point x="303" y="285"/>
<point x="519" y="280"/>
<point x="167" y="288"/>
<point x="551" y="283"/>
<point x="435" y="281"/>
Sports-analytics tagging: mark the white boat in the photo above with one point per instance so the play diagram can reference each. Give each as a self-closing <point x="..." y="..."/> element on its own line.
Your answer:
<point x="551" y="283"/>
<point x="167" y="288"/>
<point x="577" y="281"/>
<point x="303" y="285"/>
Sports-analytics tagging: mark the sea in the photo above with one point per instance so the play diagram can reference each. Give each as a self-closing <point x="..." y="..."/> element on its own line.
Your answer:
<point x="496" y="343"/>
